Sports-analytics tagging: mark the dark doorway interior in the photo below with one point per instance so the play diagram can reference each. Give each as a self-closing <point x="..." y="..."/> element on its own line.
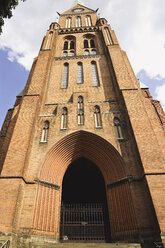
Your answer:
<point x="84" y="214"/>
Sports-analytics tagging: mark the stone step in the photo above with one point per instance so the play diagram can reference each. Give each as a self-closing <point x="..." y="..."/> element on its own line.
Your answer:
<point x="87" y="245"/>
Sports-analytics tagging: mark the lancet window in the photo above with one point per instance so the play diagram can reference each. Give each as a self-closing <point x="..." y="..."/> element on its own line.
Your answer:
<point x="68" y="22"/>
<point x="92" y="43"/>
<point x="97" y="115"/>
<point x="86" y="44"/>
<point x="65" y="76"/>
<point x="88" y="21"/>
<point x="64" y="118"/>
<point x="72" y="44"/>
<point x="79" y="73"/>
<point x="95" y="74"/>
<point x="80" y="110"/>
<point x="65" y="45"/>
<point x="78" y="21"/>
<point x="69" y="44"/>
<point x="45" y="130"/>
<point x="117" y="125"/>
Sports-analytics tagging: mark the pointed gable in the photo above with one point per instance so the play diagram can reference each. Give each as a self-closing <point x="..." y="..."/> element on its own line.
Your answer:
<point x="78" y="9"/>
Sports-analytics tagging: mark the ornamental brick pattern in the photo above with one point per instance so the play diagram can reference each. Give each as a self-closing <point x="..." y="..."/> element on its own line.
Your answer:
<point x="133" y="166"/>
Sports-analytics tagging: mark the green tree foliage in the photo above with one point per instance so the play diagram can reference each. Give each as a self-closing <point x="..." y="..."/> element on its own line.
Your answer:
<point x="6" y="7"/>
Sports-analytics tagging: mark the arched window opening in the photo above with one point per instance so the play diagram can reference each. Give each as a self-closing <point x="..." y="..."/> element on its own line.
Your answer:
<point x="86" y="44"/>
<point x="45" y="130"/>
<point x="86" y="52"/>
<point x="65" y="54"/>
<point x="68" y="22"/>
<point x="108" y="36"/>
<point x="92" y="44"/>
<point x="72" y="44"/>
<point x="64" y="118"/>
<point x="95" y="74"/>
<point x="78" y="22"/>
<point x="93" y="51"/>
<point x="88" y="21"/>
<point x="49" y="39"/>
<point x="80" y="117"/>
<point x="118" y="128"/>
<point x="79" y="73"/>
<point x="72" y="53"/>
<point x="65" y="76"/>
<point x="97" y="114"/>
<point x="80" y="102"/>
<point x="80" y="110"/>
<point x="66" y="45"/>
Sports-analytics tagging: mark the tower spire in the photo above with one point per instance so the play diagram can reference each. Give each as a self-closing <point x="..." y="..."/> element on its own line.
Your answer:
<point x="77" y="2"/>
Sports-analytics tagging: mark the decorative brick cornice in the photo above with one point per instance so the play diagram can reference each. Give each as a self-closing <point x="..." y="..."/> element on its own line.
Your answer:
<point x="80" y="57"/>
<point x="78" y="30"/>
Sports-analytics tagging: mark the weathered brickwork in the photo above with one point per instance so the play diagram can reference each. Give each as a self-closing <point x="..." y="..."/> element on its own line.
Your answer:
<point x="133" y="165"/>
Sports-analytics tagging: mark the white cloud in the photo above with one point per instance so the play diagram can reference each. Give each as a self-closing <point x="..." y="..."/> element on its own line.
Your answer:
<point x="160" y="94"/>
<point x="141" y="32"/>
<point x="139" y="26"/>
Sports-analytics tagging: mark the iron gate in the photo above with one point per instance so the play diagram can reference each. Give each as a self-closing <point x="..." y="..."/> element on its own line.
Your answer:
<point x="83" y="222"/>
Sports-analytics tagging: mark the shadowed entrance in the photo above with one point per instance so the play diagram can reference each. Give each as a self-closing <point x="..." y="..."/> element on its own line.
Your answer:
<point x="84" y="214"/>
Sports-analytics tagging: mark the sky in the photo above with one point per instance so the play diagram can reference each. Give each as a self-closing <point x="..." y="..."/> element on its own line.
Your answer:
<point x="138" y="24"/>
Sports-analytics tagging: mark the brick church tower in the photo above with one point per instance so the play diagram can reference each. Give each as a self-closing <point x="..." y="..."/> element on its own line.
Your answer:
<point x="82" y="150"/>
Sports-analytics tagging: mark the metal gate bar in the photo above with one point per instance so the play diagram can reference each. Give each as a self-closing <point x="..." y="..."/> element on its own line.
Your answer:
<point x="82" y="221"/>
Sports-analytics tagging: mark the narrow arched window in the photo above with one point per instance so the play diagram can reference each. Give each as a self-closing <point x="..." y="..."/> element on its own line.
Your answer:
<point x="78" y="21"/>
<point x="72" y="44"/>
<point x="68" y="22"/>
<point x="65" y="54"/>
<point x="88" y="21"/>
<point x="72" y="53"/>
<point x="45" y="130"/>
<point x="80" y="110"/>
<point x="65" y="76"/>
<point x="92" y="44"/>
<point x="93" y="51"/>
<point x="65" y="45"/>
<point x="97" y="114"/>
<point x="49" y="39"/>
<point x="108" y="36"/>
<point x="95" y="74"/>
<point x="79" y="73"/>
<point x="117" y="125"/>
<point x="86" y="52"/>
<point x="80" y="102"/>
<point x="64" y="118"/>
<point x="86" y="44"/>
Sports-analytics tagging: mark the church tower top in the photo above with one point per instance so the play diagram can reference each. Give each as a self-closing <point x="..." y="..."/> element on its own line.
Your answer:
<point x="76" y="2"/>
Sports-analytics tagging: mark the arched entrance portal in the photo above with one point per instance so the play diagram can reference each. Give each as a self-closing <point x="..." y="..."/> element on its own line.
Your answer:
<point x="84" y="214"/>
<point x="100" y="152"/>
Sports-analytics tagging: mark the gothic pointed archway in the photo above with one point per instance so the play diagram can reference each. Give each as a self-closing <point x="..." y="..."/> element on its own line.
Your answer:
<point x="101" y="153"/>
<point x="84" y="212"/>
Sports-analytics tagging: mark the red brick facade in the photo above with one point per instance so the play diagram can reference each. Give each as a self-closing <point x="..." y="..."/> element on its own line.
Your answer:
<point x="130" y="156"/>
